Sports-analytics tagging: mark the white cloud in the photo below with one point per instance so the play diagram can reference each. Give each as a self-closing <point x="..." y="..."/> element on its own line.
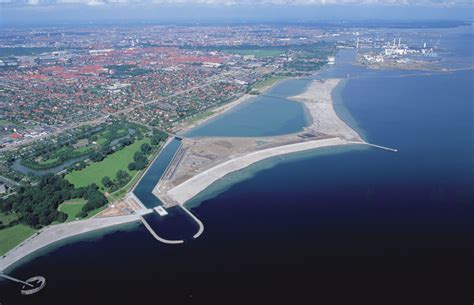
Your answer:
<point x="94" y="3"/>
<point x="442" y="3"/>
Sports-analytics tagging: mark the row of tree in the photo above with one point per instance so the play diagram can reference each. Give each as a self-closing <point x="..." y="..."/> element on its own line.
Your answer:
<point x="158" y="136"/>
<point x="140" y="160"/>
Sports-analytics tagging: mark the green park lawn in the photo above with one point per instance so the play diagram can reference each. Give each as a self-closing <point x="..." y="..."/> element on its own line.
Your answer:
<point x="269" y="81"/>
<point x="200" y="116"/>
<point x="5" y="122"/>
<point x="12" y="236"/>
<point x="95" y="171"/>
<point x="7" y="218"/>
<point x="72" y="208"/>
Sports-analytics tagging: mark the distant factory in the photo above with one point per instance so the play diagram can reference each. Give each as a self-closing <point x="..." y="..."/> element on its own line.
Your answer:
<point x="396" y="50"/>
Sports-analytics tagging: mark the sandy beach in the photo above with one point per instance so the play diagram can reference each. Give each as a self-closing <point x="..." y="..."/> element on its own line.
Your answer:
<point x="202" y="164"/>
<point x="327" y="128"/>
<point x="185" y="127"/>
<point x="190" y="188"/>
<point x="51" y="234"/>
<point x="318" y="100"/>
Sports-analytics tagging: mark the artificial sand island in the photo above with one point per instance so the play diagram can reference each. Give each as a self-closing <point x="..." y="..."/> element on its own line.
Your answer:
<point x="202" y="161"/>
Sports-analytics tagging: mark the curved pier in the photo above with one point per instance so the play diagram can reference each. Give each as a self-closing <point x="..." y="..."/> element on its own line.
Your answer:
<point x="165" y="241"/>
<point x="30" y="286"/>
<point x="200" y="224"/>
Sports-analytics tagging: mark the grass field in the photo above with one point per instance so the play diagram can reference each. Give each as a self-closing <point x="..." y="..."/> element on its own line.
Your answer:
<point x="94" y="172"/>
<point x="5" y="122"/>
<point x="120" y="193"/>
<point x="268" y="82"/>
<point x="72" y="207"/>
<point x="257" y="53"/>
<point x="12" y="236"/>
<point x="7" y="218"/>
<point x="200" y="116"/>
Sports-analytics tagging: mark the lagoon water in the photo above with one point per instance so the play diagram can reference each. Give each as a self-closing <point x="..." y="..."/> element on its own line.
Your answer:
<point x="344" y="225"/>
<point x="270" y="114"/>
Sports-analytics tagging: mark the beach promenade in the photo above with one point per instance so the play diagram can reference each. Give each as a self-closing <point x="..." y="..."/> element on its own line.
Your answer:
<point x="55" y="233"/>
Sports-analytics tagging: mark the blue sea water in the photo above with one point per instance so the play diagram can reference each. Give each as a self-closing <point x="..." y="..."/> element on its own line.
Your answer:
<point x="349" y="225"/>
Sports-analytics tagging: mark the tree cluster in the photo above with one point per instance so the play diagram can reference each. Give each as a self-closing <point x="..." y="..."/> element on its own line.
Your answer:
<point x="158" y="136"/>
<point x="140" y="160"/>
<point x="95" y="199"/>
<point x="122" y="178"/>
<point x="38" y="205"/>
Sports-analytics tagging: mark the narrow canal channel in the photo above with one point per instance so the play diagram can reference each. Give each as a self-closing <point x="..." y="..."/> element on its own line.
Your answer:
<point x="144" y="188"/>
<point x="177" y="225"/>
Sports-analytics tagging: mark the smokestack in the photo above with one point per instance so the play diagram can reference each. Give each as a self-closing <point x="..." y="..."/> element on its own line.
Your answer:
<point x="399" y="39"/>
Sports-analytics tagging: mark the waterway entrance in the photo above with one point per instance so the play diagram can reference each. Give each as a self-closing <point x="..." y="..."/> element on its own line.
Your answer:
<point x="175" y="224"/>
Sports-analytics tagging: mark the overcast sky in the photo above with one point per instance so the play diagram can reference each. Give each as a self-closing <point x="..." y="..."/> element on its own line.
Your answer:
<point x="51" y="11"/>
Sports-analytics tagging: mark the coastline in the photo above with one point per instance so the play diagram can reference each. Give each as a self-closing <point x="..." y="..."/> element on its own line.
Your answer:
<point x="55" y="233"/>
<point x="343" y="112"/>
<point x="318" y="101"/>
<point x="247" y="173"/>
<point x="318" y="104"/>
<point x="184" y="128"/>
<point x="192" y="187"/>
<point x="52" y="234"/>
